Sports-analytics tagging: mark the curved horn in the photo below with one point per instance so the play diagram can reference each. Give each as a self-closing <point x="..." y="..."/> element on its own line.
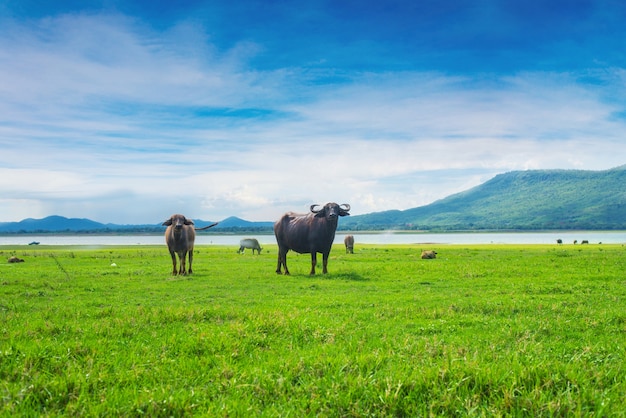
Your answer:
<point x="315" y="211"/>
<point x="345" y="207"/>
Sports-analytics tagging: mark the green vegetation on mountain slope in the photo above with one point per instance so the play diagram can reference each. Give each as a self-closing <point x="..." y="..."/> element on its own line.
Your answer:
<point x="521" y="200"/>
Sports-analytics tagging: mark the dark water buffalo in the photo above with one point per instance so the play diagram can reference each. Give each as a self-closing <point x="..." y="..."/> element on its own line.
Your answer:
<point x="180" y="236"/>
<point x="349" y="243"/>
<point x="250" y="243"/>
<point x="312" y="233"/>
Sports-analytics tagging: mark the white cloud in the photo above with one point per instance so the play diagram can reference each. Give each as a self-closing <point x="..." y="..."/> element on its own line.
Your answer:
<point x="104" y="118"/>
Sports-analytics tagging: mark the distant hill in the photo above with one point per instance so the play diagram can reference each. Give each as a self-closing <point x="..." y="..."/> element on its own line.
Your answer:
<point x="518" y="200"/>
<point x="60" y="224"/>
<point x="235" y="224"/>
<point x="51" y="224"/>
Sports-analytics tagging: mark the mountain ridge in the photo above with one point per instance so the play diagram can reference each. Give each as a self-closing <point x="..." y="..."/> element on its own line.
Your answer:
<point x="61" y="224"/>
<point x="516" y="200"/>
<point x="521" y="200"/>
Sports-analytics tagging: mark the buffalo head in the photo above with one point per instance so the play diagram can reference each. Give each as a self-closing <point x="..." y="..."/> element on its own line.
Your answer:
<point x="331" y="211"/>
<point x="177" y="221"/>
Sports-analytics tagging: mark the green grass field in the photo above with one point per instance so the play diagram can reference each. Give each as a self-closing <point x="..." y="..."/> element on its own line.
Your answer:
<point x="480" y="331"/>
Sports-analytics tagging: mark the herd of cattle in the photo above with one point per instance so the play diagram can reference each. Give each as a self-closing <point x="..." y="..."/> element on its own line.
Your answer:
<point x="309" y="233"/>
<point x="560" y="241"/>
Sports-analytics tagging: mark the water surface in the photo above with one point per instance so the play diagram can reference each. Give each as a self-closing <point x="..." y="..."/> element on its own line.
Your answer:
<point x="568" y="237"/>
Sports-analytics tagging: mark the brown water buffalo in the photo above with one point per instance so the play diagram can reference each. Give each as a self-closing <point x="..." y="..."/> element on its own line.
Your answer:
<point x="429" y="254"/>
<point x="180" y="236"/>
<point x="312" y="233"/>
<point x="349" y="243"/>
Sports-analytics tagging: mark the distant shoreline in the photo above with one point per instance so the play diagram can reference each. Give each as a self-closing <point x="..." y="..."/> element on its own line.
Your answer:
<point x="377" y="237"/>
<point x="339" y="232"/>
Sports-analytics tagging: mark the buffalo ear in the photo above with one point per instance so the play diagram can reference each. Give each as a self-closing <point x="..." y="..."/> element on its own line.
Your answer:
<point x="167" y="223"/>
<point x="188" y="222"/>
<point x="343" y="212"/>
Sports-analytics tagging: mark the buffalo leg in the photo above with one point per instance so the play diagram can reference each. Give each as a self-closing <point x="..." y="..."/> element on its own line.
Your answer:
<point x="190" y="260"/>
<point x="313" y="262"/>
<point x="183" y="267"/>
<point x="285" y="263"/>
<point x="325" y="262"/>
<point x="279" y="264"/>
<point x="282" y="261"/>
<point x="173" y="254"/>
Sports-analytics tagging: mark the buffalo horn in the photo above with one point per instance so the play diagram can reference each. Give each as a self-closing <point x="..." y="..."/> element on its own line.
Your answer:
<point x="313" y="210"/>
<point x="345" y="207"/>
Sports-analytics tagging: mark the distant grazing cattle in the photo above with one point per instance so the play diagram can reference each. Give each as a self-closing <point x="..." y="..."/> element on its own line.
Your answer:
<point x="584" y="242"/>
<point x="180" y="236"/>
<point x="575" y="241"/>
<point x="429" y="254"/>
<point x="14" y="259"/>
<point x="251" y="243"/>
<point x="312" y="233"/>
<point x="559" y="241"/>
<point x="349" y="242"/>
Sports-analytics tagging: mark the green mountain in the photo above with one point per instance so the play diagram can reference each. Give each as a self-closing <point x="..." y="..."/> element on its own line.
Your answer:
<point x="60" y="224"/>
<point x="518" y="200"/>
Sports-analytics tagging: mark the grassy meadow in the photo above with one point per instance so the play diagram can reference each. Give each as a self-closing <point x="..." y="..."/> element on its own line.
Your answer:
<point x="483" y="330"/>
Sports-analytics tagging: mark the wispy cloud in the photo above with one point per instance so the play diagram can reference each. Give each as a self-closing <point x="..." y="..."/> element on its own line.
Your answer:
<point x="103" y="116"/>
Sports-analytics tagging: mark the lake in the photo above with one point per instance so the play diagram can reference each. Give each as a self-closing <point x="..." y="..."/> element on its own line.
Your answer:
<point x="568" y="237"/>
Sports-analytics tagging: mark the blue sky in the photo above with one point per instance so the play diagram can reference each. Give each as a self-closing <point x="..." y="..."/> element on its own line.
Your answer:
<point x="128" y="111"/>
